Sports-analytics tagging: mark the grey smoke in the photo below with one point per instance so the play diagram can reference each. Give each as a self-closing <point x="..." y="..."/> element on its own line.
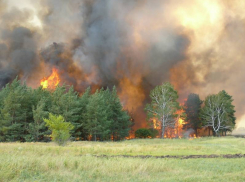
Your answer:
<point x="188" y="132"/>
<point x="80" y="37"/>
<point x="18" y="55"/>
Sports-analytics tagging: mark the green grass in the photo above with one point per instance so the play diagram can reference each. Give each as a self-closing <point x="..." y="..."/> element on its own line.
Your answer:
<point x="74" y="162"/>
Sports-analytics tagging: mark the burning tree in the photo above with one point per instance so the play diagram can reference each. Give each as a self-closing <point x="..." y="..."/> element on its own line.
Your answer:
<point x="163" y="106"/>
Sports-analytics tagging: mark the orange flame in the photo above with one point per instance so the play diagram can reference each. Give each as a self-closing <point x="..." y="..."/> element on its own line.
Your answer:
<point x="156" y="124"/>
<point x="171" y="132"/>
<point x="179" y="127"/>
<point x="52" y="81"/>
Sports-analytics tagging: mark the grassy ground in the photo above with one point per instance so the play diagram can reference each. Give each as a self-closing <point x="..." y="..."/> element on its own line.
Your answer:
<point x="74" y="162"/>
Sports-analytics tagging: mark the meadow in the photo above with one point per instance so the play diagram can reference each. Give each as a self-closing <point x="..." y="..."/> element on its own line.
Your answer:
<point x="82" y="161"/>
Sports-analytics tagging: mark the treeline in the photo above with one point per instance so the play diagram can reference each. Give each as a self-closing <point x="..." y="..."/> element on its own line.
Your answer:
<point x="94" y="116"/>
<point x="215" y="113"/>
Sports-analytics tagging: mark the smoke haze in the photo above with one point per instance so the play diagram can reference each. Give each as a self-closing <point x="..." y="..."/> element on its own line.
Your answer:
<point x="196" y="45"/>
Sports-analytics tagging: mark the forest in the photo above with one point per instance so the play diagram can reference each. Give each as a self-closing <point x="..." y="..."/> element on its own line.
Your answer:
<point x="23" y="109"/>
<point x="216" y="114"/>
<point x="24" y="114"/>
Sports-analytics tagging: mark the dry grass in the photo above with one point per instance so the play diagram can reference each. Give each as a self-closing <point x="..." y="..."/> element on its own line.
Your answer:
<point x="48" y="162"/>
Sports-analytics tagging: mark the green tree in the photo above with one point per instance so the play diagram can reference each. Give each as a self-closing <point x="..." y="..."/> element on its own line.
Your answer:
<point x="66" y="103"/>
<point x="105" y="105"/>
<point x="71" y="110"/>
<point x="15" y="112"/>
<point x="60" y="129"/>
<point x="83" y="103"/>
<point x="22" y="110"/>
<point x="230" y="109"/>
<point x="192" y="108"/>
<point x="37" y="129"/>
<point x="97" y="123"/>
<point x="121" y="123"/>
<point x="39" y="94"/>
<point x="218" y="112"/>
<point x="163" y="105"/>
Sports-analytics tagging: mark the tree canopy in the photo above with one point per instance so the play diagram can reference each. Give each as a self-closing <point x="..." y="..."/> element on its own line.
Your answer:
<point x="218" y="112"/>
<point x="192" y="108"/>
<point x="99" y="115"/>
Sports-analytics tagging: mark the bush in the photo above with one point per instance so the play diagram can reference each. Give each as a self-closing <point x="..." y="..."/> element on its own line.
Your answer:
<point x="146" y="133"/>
<point x="154" y="132"/>
<point x="60" y="129"/>
<point x="143" y="133"/>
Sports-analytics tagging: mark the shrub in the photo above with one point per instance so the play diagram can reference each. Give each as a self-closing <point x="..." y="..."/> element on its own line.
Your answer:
<point x="143" y="133"/>
<point x="146" y="133"/>
<point x="154" y="132"/>
<point x="60" y="129"/>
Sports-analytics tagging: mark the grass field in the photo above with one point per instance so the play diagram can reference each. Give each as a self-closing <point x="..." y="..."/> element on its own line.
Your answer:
<point x="76" y="161"/>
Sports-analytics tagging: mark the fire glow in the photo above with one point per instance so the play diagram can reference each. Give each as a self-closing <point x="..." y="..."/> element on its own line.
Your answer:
<point x="171" y="132"/>
<point x="52" y="81"/>
<point x="187" y="49"/>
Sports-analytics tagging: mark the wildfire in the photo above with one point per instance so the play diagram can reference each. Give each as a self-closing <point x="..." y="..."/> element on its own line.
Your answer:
<point x="52" y="81"/>
<point x="171" y="132"/>
<point x="193" y="136"/>
<point x="177" y="131"/>
<point x="179" y="127"/>
<point x="130" y="137"/>
<point x="155" y="124"/>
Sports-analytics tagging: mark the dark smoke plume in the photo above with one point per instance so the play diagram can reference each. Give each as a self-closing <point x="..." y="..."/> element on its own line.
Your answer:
<point x="134" y="45"/>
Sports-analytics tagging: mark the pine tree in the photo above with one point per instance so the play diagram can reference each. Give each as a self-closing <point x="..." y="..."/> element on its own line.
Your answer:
<point x="66" y="104"/>
<point x="14" y="112"/>
<point x="83" y="103"/>
<point x="96" y="115"/>
<point x="57" y="104"/>
<point x="37" y="129"/>
<point x="108" y="112"/>
<point x="120" y="125"/>
<point x="71" y="110"/>
<point x="230" y="110"/>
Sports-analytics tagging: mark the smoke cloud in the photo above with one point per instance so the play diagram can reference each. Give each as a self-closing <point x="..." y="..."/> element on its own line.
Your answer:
<point x="135" y="45"/>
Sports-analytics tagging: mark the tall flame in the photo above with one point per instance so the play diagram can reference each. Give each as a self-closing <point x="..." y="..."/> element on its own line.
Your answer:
<point x="52" y="81"/>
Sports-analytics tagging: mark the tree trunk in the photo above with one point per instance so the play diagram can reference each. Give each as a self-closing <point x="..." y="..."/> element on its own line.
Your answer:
<point x="196" y="132"/>
<point x="163" y="130"/>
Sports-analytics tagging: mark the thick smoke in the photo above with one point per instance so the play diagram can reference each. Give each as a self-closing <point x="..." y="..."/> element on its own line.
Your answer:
<point x="134" y="45"/>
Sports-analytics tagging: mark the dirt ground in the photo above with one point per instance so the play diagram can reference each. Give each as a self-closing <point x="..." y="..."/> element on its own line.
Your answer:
<point x="175" y="156"/>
